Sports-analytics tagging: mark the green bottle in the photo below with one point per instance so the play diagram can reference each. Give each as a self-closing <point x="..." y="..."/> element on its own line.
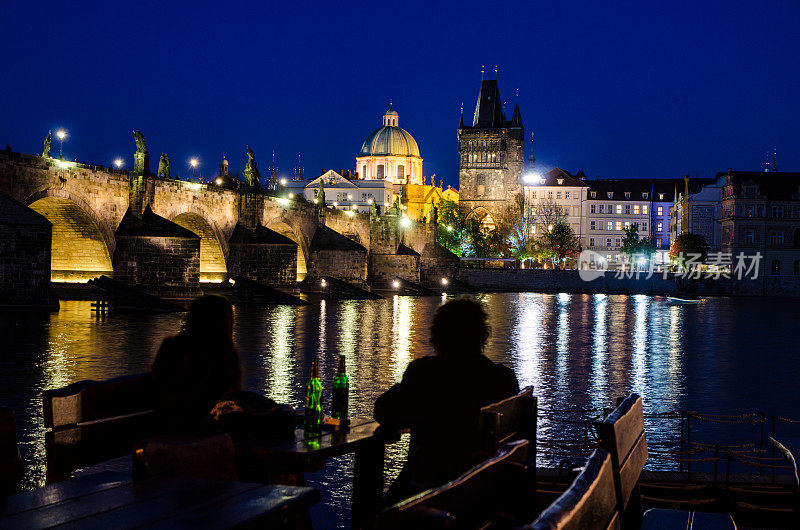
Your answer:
<point x="341" y="392"/>
<point x="313" y="411"/>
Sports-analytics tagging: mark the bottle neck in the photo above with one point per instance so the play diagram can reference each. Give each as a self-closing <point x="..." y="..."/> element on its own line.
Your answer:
<point x="341" y="364"/>
<point x="315" y="370"/>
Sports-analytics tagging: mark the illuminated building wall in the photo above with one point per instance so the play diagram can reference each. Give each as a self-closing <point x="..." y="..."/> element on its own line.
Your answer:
<point x="212" y="259"/>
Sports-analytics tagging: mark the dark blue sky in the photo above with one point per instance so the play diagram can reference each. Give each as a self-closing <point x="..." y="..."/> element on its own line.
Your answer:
<point x="655" y="90"/>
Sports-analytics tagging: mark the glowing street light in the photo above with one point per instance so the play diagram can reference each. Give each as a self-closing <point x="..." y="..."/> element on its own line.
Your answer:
<point x="549" y="228"/>
<point x="444" y="281"/>
<point x="283" y="182"/>
<point x="291" y="195"/>
<point x="218" y="181"/>
<point x="323" y="283"/>
<point x="335" y="204"/>
<point x="193" y="162"/>
<point x="349" y="197"/>
<point x="370" y="201"/>
<point x="449" y="228"/>
<point x="61" y="134"/>
<point x="395" y="284"/>
<point x="118" y="162"/>
<point x="405" y="222"/>
<point x="355" y="207"/>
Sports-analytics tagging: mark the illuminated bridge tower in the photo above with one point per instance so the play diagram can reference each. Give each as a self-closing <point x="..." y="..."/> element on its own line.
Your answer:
<point x="492" y="153"/>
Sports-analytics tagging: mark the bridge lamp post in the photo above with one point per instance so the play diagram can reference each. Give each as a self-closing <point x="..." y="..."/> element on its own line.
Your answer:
<point x="61" y="134"/>
<point x="193" y="162"/>
<point x="283" y="182"/>
<point x="118" y="163"/>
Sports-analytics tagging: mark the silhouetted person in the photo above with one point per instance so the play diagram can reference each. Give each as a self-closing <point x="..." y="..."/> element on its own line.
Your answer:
<point x="440" y="396"/>
<point x="197" y="368"/>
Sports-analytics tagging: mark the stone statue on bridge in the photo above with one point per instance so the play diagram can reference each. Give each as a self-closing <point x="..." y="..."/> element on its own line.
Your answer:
<point x="140" y="145"/>
<point x="163" y="166"/>
<point x="47" y="140"/>
<point x="320" y="195"/>
<point x="251" y="175"/>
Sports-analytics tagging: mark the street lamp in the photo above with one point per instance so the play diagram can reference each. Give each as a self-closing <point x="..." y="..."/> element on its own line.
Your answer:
<point x="118" y="162"/>
<point x="193" y="162"/>
<point x="61" y="134"/>
<point x="283" y="182"/>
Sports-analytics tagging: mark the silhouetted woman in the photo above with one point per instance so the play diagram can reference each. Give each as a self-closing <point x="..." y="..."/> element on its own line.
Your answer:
<point x="197" y="368"/>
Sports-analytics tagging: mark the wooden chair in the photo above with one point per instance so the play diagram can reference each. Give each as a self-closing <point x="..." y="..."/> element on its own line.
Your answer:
<point x="472" y="500"/>
<point x="622" y="434"/>
<point x="208" y="457"/>
<point x="513" y="418"/>
<point x="10" y="458"/>
<point x="93" y="421"/>
<point x="590" y="503"/>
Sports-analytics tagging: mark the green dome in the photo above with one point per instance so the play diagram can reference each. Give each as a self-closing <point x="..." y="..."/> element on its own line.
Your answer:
<point x="389" y="140"/>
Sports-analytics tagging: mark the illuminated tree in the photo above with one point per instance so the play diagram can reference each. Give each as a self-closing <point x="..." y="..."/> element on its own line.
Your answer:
<point x="687" y="246"/>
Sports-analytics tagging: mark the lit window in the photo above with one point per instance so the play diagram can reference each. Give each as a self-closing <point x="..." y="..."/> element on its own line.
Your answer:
<point x="558" y="195"/>
<point x="635" y="209"/>
<point x="610" y="225"/>
<point x="566" y="195"/>
<point x="660" y="210"/>
<point x="619" y="225"/>
<point x="627" y="224"/>
<point x="619" y="209"/>
<point x="659" y="227"/>
<point x="660" y="196"/>
<point x="644" y="209"/>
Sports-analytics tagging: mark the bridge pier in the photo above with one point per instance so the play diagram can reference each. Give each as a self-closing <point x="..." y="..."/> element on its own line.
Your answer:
<point x="264" y="256"/>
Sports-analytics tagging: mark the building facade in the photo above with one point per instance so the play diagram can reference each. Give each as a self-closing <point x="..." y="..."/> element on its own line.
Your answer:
<point x="558" y="188"/>
<point x="345" y="194"/>
<point x="761" y="214"/>
<point x="613" y="206"/>
<point x="492" y="157"/>
<point x="698" y="209"/>
<point x="390" y="153"/>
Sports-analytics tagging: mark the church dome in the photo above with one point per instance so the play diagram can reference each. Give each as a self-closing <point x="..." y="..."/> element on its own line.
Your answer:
<point x="390" y="139"/>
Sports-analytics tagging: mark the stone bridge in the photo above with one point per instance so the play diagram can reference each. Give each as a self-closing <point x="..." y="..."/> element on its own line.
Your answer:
<point x="99" y="229"/>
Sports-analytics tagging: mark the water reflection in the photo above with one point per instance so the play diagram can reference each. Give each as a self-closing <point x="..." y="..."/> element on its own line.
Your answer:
<point x="578" y="351"/>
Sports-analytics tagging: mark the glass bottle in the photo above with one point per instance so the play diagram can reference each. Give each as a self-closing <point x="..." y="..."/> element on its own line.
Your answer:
<point x="313" y="410"/>
<point x="341" y="392"/>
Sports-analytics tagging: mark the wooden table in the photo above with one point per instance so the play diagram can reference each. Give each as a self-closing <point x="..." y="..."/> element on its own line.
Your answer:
<point x="308" y="452"/>
<point x="111" y="500"/>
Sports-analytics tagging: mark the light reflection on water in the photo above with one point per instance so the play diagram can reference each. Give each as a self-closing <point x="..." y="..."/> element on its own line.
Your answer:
<point x="578" y="351"/>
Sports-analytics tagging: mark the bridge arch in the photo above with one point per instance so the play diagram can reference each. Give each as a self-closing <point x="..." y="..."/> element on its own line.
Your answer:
<point x="213" y="248"/>
<point x="285" y="229"/>
<point x="82" y="244"/>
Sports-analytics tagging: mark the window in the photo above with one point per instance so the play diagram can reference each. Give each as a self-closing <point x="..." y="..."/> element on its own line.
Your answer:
<point x="401" y="171"/>
<point x="645" y="195"/>
<point x="594" y="194"/>
<point x="748" y="211"/>
<point x="533" y="195"/>
<point x="627" y="224"/>
<point x="608" y="241"/>
<point x="549" y="194"/>
<point x="635" y="209"/>
<point x="777" y="211"/>
<point x="660" y="227"/>
<point x="558" y="195"/>
<point x="601" y="208"/>
<point x="776" y="239"/>
<point x="610" y="225"/>
<point x="627" y="209"/>
<point x="379" y="172"/>
<point x="776" y="267"/>
<point x="592" y="209"/>
<point x="591" y="244"/>
<point x="644" y="209"/>
<point x="627" y="195"/>
<point x="660" y="196"/>
<point x="659" y="243"/>
<point x="591" y="225"/>
<point x="619" y="209"/>
<point x="566" y="195"/>
<point x="616" y="242"/>
<point x="619" y="225"/>
<point x="749" y="237"/>
<point x="659" y="211"/>
<point x="481" y="190"/>
<point x="363" y="171"/>
<point x="644" y="226"/>
<point x="610" y="194"/>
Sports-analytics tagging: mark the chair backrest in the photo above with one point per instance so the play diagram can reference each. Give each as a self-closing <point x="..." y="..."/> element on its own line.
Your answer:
<point x="10" y="458"/>
<point x="590" y="503"/>
<point x="622" y="434"/>
<point x="209" y="457"/>
<point x="92" y="421"/>
<point x="468" y="501"/>
<point x="514" y="418"/>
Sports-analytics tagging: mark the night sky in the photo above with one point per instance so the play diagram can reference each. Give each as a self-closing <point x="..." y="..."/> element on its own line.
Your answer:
<point x="654" y="90"/>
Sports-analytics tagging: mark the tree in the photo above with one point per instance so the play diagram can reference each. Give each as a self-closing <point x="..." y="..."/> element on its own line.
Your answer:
<point x="557" y="243"/>
<point x="518" y="230"/>
<point x="688" y="246"/>
<point x="450" y="231"/>
<point x="636" y="249"/>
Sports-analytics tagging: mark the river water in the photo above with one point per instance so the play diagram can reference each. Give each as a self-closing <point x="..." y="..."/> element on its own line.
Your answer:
<point x="579" y="351"/>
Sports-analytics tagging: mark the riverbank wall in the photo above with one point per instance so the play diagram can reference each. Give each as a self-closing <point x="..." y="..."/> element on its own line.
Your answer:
<point x="571" y="281"/>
